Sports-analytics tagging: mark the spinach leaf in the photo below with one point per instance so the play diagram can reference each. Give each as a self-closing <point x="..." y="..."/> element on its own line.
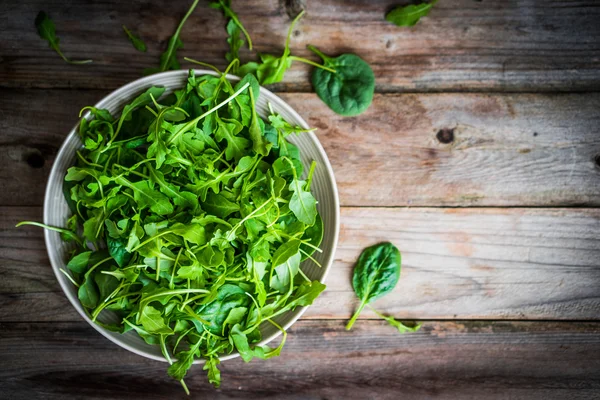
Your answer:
<point x="409" y="15"/>
<point x="349" y="91"/>
<point x="376" y="273"/>
<point x="135" y="41"/>
<point x="46" y="30"/>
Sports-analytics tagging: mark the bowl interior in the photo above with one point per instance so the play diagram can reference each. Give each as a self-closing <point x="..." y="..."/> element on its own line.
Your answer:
<point x="323" y="187"/>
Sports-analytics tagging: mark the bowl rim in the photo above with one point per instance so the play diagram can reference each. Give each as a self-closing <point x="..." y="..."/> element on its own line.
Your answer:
<point x="139" y="84"/>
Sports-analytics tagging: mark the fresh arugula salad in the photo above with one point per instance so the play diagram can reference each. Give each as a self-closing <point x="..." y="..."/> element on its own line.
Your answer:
<point x="190" y="220"/>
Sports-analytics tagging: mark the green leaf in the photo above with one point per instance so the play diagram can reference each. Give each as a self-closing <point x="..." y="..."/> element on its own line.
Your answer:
<point x="303" y="203"/>
<point x="193" y="233"/>
<point x="349" y="91"/>
<point x="145" y="196"/>
<point x="117" y="250"/>
<point x="313" y="235"/>
<point x="168" y="59"/>
<point x="306" y="294"/>
<point x="218" y="205"/>
<point x="376" y="273"/>
<point x="215" y="313"/>
<point x="88" y="293"/>
<point x="185" y="359"/>
<point x="135" y="41"/>
<point x="47" y="31"/>
<point x="79" y="262"/>
<point x="286" y="251"/>
<point x="141" y="100"/>
<point x="285" y="273"/>
<point x="401" y="327"/>
<point x="236" y="146"/>
<point x="409" y="15"/>
<point x="213" y="373"/>
<point x="153" y="322"/>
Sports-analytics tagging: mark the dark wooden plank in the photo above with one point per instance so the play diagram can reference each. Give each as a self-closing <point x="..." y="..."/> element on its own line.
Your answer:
<point x="457" y="263"/>
<point x="445" y="360"/>
<point x="506" y="149"/>
<point x="464" y="45"/>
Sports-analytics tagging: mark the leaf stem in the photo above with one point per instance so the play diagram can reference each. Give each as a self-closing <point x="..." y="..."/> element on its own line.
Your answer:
<point x="356" y="314"/>
<point x="171" y="49"/>
<point x="314" y="64"/>
<point x="52" y="228"/>
<point x="207" y="65"/>
<point x="195" y="121"/>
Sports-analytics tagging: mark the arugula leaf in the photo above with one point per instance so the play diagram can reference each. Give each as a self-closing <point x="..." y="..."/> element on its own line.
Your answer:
<point x="46" y="30"/>
<point x="303" y="203"/>
<point x="213" y="373"/>
<point x="153" y="322"/>
<point x="349" y="91"/>
<point x="397" y="324"/>
<point x="135" y="41"/>
<point x="218" y="205"/>
<point x="409" y="15"/>
<point x="225" y="6"/>
<point x="168" y="59"/>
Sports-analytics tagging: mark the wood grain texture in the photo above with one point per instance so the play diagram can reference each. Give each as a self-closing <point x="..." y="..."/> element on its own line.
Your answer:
<point x="506" y="149"/>
<point x="457" y="264"/>
<point x="445" y="360"/>
<point x="464" y="45"/>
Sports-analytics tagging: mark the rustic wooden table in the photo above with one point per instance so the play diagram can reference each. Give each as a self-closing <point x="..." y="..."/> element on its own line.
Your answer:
<point x="479" y="159"/>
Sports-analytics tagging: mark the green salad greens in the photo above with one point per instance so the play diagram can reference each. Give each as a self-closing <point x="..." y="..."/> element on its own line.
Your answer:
<point x="190" y="220"/>
<point x="376" y="274"/>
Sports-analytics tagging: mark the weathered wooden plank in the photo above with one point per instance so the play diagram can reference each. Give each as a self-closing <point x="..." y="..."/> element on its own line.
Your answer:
<point x="457" y="263"/>
<point x="464" y="45"/>
<point x="445" y="360"/>
<point x="506" y="150"/>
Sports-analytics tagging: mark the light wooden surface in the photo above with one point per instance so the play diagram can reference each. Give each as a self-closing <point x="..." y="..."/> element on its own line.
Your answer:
<point x="479" y="159"/>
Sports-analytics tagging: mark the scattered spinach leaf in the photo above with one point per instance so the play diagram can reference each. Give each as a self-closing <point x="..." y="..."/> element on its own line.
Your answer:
<point x="349" y="91"/>
<point x="376" y="274"/>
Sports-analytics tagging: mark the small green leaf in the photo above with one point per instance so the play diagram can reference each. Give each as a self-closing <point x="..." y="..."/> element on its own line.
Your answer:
<point x="117" y="250"/>
<point x="79" y="263"/>
<point x="46" y="30"/>
<point x="376" y="273"/>
<point x="88" y="293"/>
<point x="349" y="91"/>
<point x="303" y="203"/>
<point x="153" y="322"/>
<point x="409" y="15"/>
<point x="284" y="273"/>
<point x="218" y="205"/>
<point x="135" y="41"/>
<point x="213" y="373"/>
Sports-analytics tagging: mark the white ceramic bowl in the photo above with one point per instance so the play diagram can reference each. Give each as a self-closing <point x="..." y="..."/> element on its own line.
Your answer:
<point x="323" y="187"/>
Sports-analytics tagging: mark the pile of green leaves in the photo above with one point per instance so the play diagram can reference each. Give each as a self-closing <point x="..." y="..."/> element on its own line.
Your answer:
<point x="190" y="220"/>
<point x="376" y="274"/>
